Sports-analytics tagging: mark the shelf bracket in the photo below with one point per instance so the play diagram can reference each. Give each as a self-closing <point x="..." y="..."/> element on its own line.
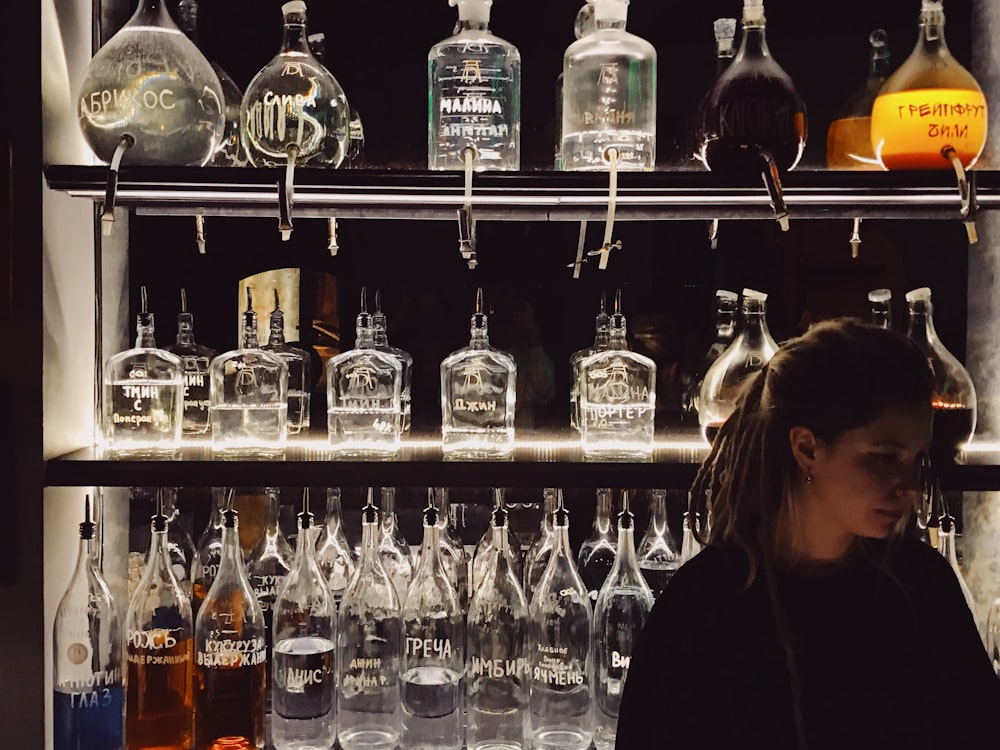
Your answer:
<point x="286" y="187"/>
<point x="855" y="241"/>
<point x="332" y="244"/>
<point x="199" y="232"/>
<point x="772" y="181"/>
<point x="611" y="156"/>
<point x="111" y="190"/>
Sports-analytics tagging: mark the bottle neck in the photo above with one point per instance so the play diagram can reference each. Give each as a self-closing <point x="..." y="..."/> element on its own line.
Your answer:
<point x="369" y="542"/>
<point x="617" y="337"/>
<point x="472" y="24"/>
<point x="430" y="545"/>
<point x="250" y="332"/>
<point x="658" y="514"/>
<point x="188" y="12"/>
<point x="602" y="516"/>
<point x="277" y="334"/>
<point x="479" y="332"/>
<point x="725" y="323"/>
<point x="626" y="548"/>
<point x="154" y="13"/>
<point x="755" y="324"/>
<point x="548" y="508"/>
<point x="294" y="38"/>
<point x="560" y="545"/>
<point x="379" y="334"/>
<point x="185" y="329"/>
<point x="500" y="541"/>
<point x="333" y="521"/>
<point x="271" y="510"/>
<point x="931" y="38"/>
<point x="882" y="316"/>
<point x="946" y="546"/>
<point x="921" y="328"/>
<point x="754" y="40"/>
<point x="305" y="550"/>
<point x="232" y="554"/>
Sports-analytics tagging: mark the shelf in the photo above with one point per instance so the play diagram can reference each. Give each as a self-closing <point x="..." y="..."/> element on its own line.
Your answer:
<point x="527" y="196"/>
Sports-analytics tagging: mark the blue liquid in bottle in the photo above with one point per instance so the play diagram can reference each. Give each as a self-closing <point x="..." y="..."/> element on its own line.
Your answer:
<point x="89" y="720"/>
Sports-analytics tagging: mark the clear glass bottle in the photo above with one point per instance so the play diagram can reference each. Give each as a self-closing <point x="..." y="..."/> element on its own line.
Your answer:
<point x="658" y="555"/>
<point x="293" y="109"/>
<point x="602" y="335"/>
<point x="249" y="396"/>
<point x="617" y="398"/>
<point x="583" y="24"/>
<point x="559" y="636"/>
<point x="364" y="388"/>
<point x="954" y="398"/>
<point x="930" y="79"/>
<point x="231" y="653"/>
<point x="609" y="95"/>
<point x="881" y="304"/>
<point x="380" y="337"/>
<point x="537" y="558"/>
<point x="754" y="116"/>
<point x="335" y="556"/>
<point x="483" y="552"/>
<point x="299" y="371"/>
<point x="597" y="553"/>
<point x="168" y="98"/>
<point x="752" y="348"/>
<point x="453" y="554"/>
<point x="303" y="686"/>
<point x="496" y="698"/>
<point x="690" y="546"/>
<point x="180" y="547"/>
<point x="433" y="669"/>
<point x="195" y="360"/>
<point x="205" y="567"/>
<point x="946" y="546"/>
<point x="159" y="653"/>
<point x="87" y="685"/>
<point x="143" y="395"/>
<point x="849" y="137"/>
<point x="474" y="95"/>
<point x="620" y="613"/>
<point x="478" y="384"/>
<point x="726" y="314"/>
<point x="393" y="549"/>
<point x="369" y="651"/>
<point x="724" y="30"/>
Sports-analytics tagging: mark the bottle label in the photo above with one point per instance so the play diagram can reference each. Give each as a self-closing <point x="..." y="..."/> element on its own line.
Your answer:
<point x="555" y="667"/>
<point x="485" y="667"/>
<point x="364" y="673"/>
<point x="107" y="678"/>
<point x="280" y="120"/>
<point x="227" y="653"/>
<point x="98" y="103"/>
<point x="266" y="589"/>
<point x="428" y="648"/>
<point x="910" y="128"/>
<point x="153" y="639"/>
<point x="303" y="682"/>
<point x="196" y="388"/>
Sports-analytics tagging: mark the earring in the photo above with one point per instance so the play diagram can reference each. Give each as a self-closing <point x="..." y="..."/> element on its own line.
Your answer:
<point x="809" y="477"/>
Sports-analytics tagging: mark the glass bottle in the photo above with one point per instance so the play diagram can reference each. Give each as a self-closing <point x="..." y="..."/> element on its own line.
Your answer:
<point x="583" y="24"/>
<point x="299" y="371"/>
<point x="381" y="339"/>
<point x="369" y="651"/>
<point x="453" y="554"/>
<point x="302" y="669"/>
<point x="754" y="116"/>
<point x="249" y="396"/>
<point x="432" y="680"/>
<point x="334" y="555"/>
<point x="393" y="549"/>
<point x="560" y="625"/>
<point x="658" y="555"/>
<point x="993" y="635"/>
<point x="364" y="388"/>
<point x="946" y="546"/>
<point x="167" y="98"/>
<point x="497" y="675"/>
<point x="620" y="613"/>
<point x="181" y="551"/>
<point x="726" y="311"/>
<point x="159" y="652"/>
<point x="597" y="553"/>
<point x="231" y="653"/>
<point x="293" y="109"/>
<point x="478" y="396"/>
<point x="537" y="558"/>
<point x="752" y="348"/>
<point x="602" y="336"/>
<point x="195" y="361"/>
<point x="474" y="95"/>
<point x="209" y="551"/>
<point x="929" y="80"/>
<point x="143" y="395"/>
<point x="87" y="697"/>
<point x="881" y="304"/>
<point x="483" y="553"/>
<point x="609" y="95"/>
<point x="954" y="397"/>
<point x="690" y="546"/>
<point x="849" y="137"/>
<point x="617" y="398"/>
<point x="724" y="30"/>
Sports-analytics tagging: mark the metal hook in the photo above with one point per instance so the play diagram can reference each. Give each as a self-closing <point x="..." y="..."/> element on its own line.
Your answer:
<point x="580" y="260"/>
<point x="111" y="191"/>
<point x="855" y="240"/>
<point x="285" y="194"/>
<point x="332" y="244"/>
<point x="466" y="222"/>
<point x="772" y="181"/>
<point x="713" y="233"/>
<point x="966" y="193"/>
<point x="199" y="232"/>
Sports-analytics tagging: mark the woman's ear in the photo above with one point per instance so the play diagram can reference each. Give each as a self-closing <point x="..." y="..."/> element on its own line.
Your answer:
<point x="803" y="443"/>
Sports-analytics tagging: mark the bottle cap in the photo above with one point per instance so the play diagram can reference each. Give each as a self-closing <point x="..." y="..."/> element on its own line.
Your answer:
<point x="879" y="295"/>
<point x="293" y="6"/>
<point x="754" y="294"/>
<point x="921" y="294"/>
<point x="87" y="526"/>
<point x="725" y="294"/>
<point x="472" y="10"/>
<point x="610" y="10"/>
<point x="725" y="28"/>
<point x="753" y="10"/>
<point x="584" y="23"/>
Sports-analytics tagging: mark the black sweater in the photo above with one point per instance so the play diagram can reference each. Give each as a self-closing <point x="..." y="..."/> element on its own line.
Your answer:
<point x="886" y="651"/>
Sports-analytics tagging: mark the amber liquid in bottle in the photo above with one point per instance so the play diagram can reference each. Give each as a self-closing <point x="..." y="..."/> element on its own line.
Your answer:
<point x="250" y="503"/>
<point x="236" y="709"/>
<point x="953" y="426"/>
<point x="159" y="683"/>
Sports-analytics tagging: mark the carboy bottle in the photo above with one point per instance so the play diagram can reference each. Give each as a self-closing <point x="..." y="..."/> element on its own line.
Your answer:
<point x="209" y="550"/>
<point x="602" y="335"/>
<point x="87" y="697"/>
<point x="478" y="384"/>
<point x="658" y="555"/>
<point x="930" y="79"/>
<point x="249" y="396"/>
<point x="474" y="95"/>
<point x="754" y="116"/>
<point x="849" y="137"/>
<point x="559" y="626"/>
<point x="482" y="555"/>
<point x="369" y="651"/>
<point x="726" y="311"/>
<point x="143" y="395"/>
<point x="954" y="397"/>
<point x="993" y="635"/>
<point x="195" y="361"/>
<point x="433" y="669"/>
<point x="151" y="85"/>
<point x="752" y="348"/>
<point x="231" y="654"/>
<point x="453" y="555"/>
<point x="293" y="110"/>
<point x="381" y="338"/>
<point x="724" y="30"/>
<point x="537" y="558"/>
<point x="497" y="674"/>
<point x="609" y="95"/>
<point x="597" y="552"/>
<point x="393" y="549"/>
<point x="364" y="388"/>
<point x="881" y="304"/>
<point x="621" y="611"/>
<point x="335" y="556"/>
<point x="583" y="24"/>
<point x="302" y="669"/>
<point x="299" y="371"/>
<point x="617" y="398"/>
<point x="159" y="651"/>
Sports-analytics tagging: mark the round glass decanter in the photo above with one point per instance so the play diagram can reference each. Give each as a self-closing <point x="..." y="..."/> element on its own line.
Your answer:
<point x="849" y="137"/>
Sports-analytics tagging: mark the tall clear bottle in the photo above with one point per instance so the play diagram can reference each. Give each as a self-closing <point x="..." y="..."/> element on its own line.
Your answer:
<point x="602" y="336"/>
<point x="537" y="558"/>
<point x="690" y="545"/>
<point x="497" y="672"/>
<point x="369" y="651"/>
<point x="583" y="24"/>
<point x="881" y="306"/>
<point x="87" y="684"/>
<point x="209" y="551"/>
<point x="334" y="555"/>
<point x="954" y="397"/>
<point x="299" y="371"/>
<point x="752" y="348"/>
<point x="231" y="653"/>
<point x="560" y="625"/>
<point x="609" y="95"/>
<point x="159" y="652"/>
<point x="482" y="555"/>
<point x="849" y="137"/>
<point x="432" y="680"/>
<point x="380" y="337"/>
<point x="597" y="553"/>
<point x="393" y="549"/>
<point x="658" y="555"/>
<point x="726" y="314"/>
<point x="474" y="95"/>
<point x="195" y="359"/>
<point x="303" y="685"/>
<point x="453" y="554"/>
<point x="946" y="546"/>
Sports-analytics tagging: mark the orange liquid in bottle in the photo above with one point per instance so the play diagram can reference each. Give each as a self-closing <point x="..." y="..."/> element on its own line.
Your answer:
<point x="849" y="144"/>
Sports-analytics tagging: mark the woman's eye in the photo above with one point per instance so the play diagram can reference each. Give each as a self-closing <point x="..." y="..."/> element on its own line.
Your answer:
<point x="885" y="458"/>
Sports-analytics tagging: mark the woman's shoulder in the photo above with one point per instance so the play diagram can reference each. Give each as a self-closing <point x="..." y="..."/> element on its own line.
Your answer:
<point x="716" y="570"/>
<point x="915" y="562"/>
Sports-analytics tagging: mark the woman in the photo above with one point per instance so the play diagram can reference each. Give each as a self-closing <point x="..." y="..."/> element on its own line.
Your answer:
<point x="809" y="620"/>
